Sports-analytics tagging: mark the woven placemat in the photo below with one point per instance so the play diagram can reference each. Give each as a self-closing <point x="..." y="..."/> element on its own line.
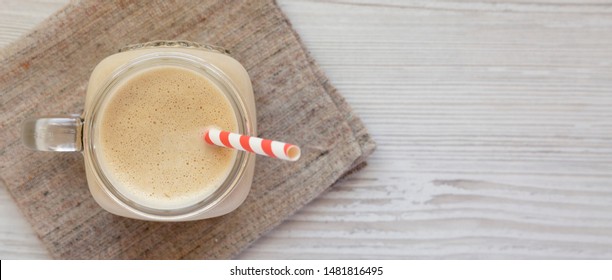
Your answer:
<point x="46" y="72"/>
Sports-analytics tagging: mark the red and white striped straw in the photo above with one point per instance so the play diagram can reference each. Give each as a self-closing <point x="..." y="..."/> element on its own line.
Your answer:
<point x="252" y="144"/>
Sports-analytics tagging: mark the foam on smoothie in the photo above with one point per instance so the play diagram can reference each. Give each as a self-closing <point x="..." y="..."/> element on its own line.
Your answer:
<point x="150" y="137"/>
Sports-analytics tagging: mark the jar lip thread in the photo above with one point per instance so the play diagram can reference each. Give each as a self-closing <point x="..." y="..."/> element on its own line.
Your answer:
<point x="174" y="44"/>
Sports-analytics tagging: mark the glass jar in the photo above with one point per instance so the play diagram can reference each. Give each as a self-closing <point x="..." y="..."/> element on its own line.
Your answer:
<point x="80" y="133"/>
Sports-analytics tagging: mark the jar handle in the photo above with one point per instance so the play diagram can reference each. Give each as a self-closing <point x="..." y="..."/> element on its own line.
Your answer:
<point x="53" y="133"/>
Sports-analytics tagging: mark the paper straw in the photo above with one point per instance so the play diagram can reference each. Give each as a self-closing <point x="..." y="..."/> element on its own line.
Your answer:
<point x="274" y="149"/>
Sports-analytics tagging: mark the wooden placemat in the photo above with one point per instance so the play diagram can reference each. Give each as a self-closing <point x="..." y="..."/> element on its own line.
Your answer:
<point x="46" y="72"/>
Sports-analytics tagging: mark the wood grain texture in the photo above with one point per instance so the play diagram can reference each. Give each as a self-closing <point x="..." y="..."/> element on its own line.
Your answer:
<point x="493" y="125"/>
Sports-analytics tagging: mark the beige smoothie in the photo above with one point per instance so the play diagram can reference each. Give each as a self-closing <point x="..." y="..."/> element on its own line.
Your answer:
<point x="150" y="138"/>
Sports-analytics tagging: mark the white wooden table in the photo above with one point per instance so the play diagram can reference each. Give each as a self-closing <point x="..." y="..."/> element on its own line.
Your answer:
<point x="493" y="119"/>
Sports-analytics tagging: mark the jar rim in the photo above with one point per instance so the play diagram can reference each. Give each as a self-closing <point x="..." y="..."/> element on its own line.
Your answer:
<point x="175" y="44"/>
<point x="149" y="61"/>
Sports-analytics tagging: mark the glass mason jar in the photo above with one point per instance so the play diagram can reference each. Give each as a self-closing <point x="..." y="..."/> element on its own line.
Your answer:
<point x="79" y="133"/>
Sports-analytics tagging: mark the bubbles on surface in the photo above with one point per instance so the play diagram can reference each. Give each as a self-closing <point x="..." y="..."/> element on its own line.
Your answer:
<point x="151" y="136"/>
